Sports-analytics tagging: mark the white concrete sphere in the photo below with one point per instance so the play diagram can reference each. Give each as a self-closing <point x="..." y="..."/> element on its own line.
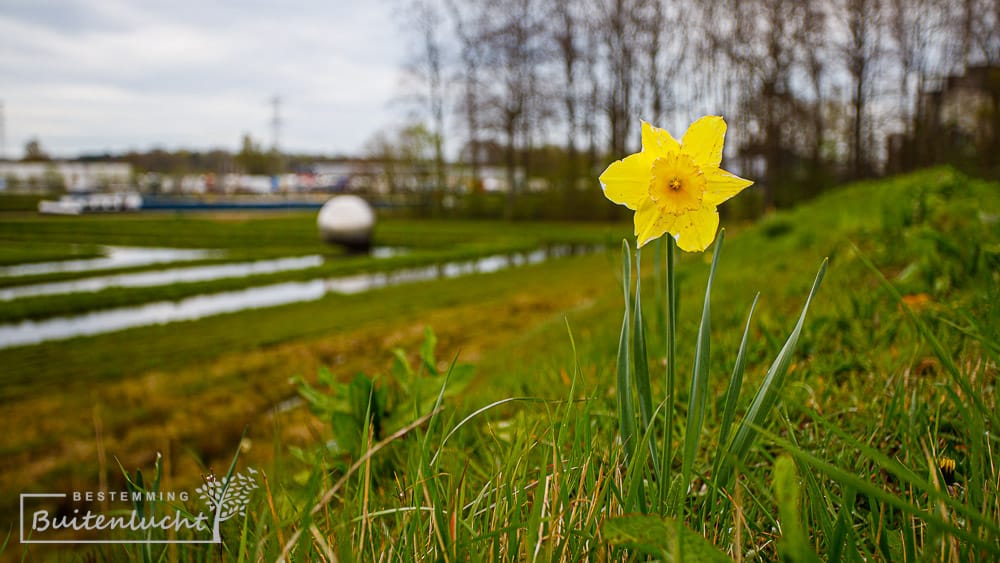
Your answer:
<point x="346" y="220"/>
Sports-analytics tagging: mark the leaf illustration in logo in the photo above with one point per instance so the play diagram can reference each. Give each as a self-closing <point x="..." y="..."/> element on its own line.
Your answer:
<point x="228" y="497"/>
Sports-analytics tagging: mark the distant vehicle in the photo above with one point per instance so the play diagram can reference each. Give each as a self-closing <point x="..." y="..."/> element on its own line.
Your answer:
<point x="91" y="203"/>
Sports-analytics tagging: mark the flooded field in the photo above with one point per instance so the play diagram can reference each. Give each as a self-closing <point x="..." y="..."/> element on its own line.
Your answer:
<point x="187" y="274"/>
<point x="163" y="277"/>
<point x="115" y="257"/>
<point x="98" y="322"/>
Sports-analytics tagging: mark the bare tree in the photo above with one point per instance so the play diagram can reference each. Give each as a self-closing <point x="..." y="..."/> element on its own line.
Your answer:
<point x="426" y="21"/>
<point x="383" y="149"/>
<point x="980" y="32"/>
<point x="861" y="24"/>
<point x="913" y="26"/>
<point x="811" y="86"/>
<point x="760" y="39"/>
<point x="471" y="23"/>
<point x="663" y="53"/>
<point x="516" y="50"/>
<point x="813" y="44"/>
<point x="592" y="88"/>
<point x="566" y="18"/>
<point x="619" y="31"/>
<point x="655" y="24"/>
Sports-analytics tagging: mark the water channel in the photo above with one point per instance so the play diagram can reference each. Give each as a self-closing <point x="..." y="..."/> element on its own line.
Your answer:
<point x="114" y="257"/>
<point x="200" y="306"/>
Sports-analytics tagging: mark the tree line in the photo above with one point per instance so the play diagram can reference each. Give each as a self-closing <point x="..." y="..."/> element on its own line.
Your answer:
<point x="815" y="92"/>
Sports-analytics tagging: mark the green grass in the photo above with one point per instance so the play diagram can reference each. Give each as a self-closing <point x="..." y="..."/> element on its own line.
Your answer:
<point x="545" y="482"/>
<point x="19" y="202"/>
<point x="39" y="251"/>
<point x="845" y="468"/>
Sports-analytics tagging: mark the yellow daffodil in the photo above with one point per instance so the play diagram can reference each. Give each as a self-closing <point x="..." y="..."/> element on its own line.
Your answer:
<point x="675" y="187"/>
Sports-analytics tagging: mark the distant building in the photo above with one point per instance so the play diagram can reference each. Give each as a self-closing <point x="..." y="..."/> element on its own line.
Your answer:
<point x="958" y="120"/>
<point x="65" y="175"/>
<point x="365" y="176"/>
<point x="966" y="102"/>
<point x="352" y="176"/>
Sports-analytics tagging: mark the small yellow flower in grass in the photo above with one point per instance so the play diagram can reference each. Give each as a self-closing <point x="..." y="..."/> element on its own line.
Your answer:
<point x="675" y="187"/>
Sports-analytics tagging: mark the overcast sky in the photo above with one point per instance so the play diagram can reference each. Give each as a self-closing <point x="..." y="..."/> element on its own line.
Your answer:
<point x="88" y="76"/>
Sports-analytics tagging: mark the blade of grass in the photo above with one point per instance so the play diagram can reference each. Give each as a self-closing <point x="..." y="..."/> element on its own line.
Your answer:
<point x="6" y="540"/>
<point x="841" y="532"/>
<point x="698" y="399"/>
<point x="476" y="413"/>
<point x="942" y="355"/>
<point x="626" y="410"/>
<point x="735" y="386"/>
<point x="794" y="544"/>
<point x="330" y="493"/>
<point x="864" y="486"/>
<point x="768" y="394"/>
<point x="732" y="398"/>
<point x="437" y="403"/>
<point x="641" y="367"/>
<point x="906" y="475"/>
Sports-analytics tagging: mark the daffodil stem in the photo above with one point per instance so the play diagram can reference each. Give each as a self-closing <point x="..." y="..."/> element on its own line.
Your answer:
<point x="671" y="326"/>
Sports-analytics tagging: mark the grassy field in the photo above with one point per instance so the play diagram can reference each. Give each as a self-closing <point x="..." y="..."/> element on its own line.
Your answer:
<point x="96" y="378"/>
<point x="849" y="465"/>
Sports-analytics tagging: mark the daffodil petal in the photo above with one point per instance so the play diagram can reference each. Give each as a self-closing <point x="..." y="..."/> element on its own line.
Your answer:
<point x="695" y="230"/>
<point x="649" y="223"/>
<point x="722" y="185"/>
<point x="658" y="141"/>
<point x="626" y="181"/>
<point x="703" y="140"/>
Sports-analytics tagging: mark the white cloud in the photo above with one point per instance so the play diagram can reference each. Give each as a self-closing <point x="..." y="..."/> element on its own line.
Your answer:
<point x="114" y="75"/>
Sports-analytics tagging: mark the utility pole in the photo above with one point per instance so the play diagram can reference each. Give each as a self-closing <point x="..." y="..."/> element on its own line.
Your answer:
<point x="275" y="121"/>
<point x="276" y="132"/>
<point x="3" y="133"/>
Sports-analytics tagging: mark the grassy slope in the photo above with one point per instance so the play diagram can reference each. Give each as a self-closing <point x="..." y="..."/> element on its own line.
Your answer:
<point x="946" y="253"/>
<point x="935" y="234"/>
<point x="859" y="364"/>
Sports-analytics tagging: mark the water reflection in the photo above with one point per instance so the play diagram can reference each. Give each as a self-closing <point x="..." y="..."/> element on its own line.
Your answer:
<point x="386" y="251"/>
<point x="33" y="332"/>
<point x="115" y="257"/>
<point x="179" y="275"/>
<point x="164" y="277"/>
